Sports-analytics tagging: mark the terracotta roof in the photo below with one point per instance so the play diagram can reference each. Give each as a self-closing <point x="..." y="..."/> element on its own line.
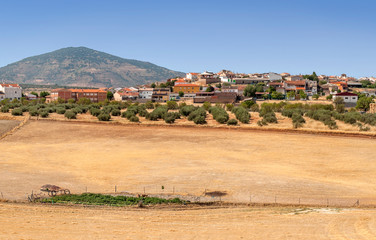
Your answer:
<point x="186" y="85"/>
<point x="296" y="82"/>
<point x="9" y="85"/>
<point x="86" y="90"/>
<point x="300" y="88"/>
<point x="128" y="93"/>
<point x="346" y="94"/>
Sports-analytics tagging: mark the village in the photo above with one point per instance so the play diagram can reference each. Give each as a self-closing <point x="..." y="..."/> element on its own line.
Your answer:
<point x="222" y="87"/>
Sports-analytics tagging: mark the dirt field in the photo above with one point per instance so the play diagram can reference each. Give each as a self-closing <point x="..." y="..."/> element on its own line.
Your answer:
<point x="248" y="165"/>
<point x="7" y="125"/>
<point x="20" y="221"/>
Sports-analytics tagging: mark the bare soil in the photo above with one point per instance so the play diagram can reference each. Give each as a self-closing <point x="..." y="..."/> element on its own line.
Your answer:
<point x="27" y="221"/>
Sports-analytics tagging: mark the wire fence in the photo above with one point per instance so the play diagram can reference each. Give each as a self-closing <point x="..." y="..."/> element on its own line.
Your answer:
<point x="206" y="195"/>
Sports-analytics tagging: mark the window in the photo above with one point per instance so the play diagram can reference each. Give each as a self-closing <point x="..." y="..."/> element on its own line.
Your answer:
<point x="346" y="98"/>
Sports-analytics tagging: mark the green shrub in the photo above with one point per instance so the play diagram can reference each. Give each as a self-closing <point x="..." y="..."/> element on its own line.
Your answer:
<point x="169" y="118"/>
<point x="128" y="114"/>
<point x="241" y="114"/>
<point x="95" y="111"/>
<point x="172" y="105"/>
<point x="206" y="105"/>
<point x="196" y="113"/>
<point x="104" y="117"/>
<point x="60" y="110"/>
<point x="232" y="122"/>
<point x="5" y="109"/>
<point x="229" y="107"/>
<point x="269" y="117"/>
<point x="115" y="112"/>
<point x="33" y="112"/>
<point x="200" y="119"/>
<point x="43" y="114"/>
<point x="149" y="105"/>
<point x="157" y="113"/>
<point x="134" y="118"/>
<point x="186" y="110"/>
<point x="297" y="120"/>
<point x="219" y="114"/>
<point x="17" y="112"/>
<point x="70" y="114"/>
<point x="77" y="110"/>
<point x="143" y="113"/>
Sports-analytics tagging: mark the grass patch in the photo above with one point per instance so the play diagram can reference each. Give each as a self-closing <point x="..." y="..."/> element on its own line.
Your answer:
<point x="101" y="199"/>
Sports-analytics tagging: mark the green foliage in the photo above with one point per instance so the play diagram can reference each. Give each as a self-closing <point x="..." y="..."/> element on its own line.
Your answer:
<point x="115" y="112"/>
<point x="60" y="110"/>
<point x="364" y="102"/>
<point x="315" y="96"/>
<point x="181" y="94"/>
<point x="186" y="110"/>
<point x="95" y="111"/>
<point x="199" y="112"/>
<point x="255" y="108"/>
<point x="84" y="101"/>
<point x="329" y="97"/>
<point x="325" y="116"/>
<point x="241" y="114"/>
<point x="290" y="95"/>
<point x="33" y="111"/>
<point x="149" y="105"/>
<point x="70" y="114"/>
<point x="229" y="107"/>
<point x="199" y="120"/>
<point x="134" y="118"/>
<point x="100" y="199"/>
<point x="76" y="110"/>
<point x="43" y="113"/>
<point x="104" y="117"/>
<point x="17" y="112"/>
<point x="157" y="113"/>
<point x="247" y="104"/>
<point x="43" y="94"/>
<point x="219" y="114"/>
<point x="171" y="105"/>
<point x="110" y="95"/>
<point x="206" y="105"/>
<point x="170" y="117"/>
<point x="249" y="91"/>
<point x="277" y="95"/>
<point x="232" y="122"/>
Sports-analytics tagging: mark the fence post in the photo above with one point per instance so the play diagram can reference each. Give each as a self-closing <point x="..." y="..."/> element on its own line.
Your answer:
<point x="115" y="188"/>
<point x="327" y="202"/>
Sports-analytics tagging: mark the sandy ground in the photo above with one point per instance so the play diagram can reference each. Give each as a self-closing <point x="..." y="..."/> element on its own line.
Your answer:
<point x="7" y="125"/>
<point x="249" y="166"/>
<point x="20" y="221"/>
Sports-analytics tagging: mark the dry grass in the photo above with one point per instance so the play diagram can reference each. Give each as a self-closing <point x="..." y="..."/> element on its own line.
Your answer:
<point x="20" y="221"/>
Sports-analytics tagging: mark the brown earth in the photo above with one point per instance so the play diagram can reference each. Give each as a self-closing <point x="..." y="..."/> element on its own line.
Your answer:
<point x="256" y="166"/>
<point x="7" y="125"/>
<point x="27" y="221"/>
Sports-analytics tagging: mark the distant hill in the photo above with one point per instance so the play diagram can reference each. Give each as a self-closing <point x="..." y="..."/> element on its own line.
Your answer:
<point x="81" y="66"/>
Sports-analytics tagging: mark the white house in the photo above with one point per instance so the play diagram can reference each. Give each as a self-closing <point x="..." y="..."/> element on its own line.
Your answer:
<point x="274" y="76"/>
<point x="11" y="91"/>
<point x="145" y="93"/>
<point x="349" y="99"/>
<point x="191" y="76"/>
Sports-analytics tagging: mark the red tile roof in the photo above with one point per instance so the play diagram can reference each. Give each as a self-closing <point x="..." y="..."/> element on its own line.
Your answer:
<point x="346" y="94"/>
<point x="10" y="85"/>
<point x="187" y="85"/>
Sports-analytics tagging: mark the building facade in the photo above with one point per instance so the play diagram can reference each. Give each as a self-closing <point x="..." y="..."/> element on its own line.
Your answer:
<point x="95" y="95"/>
<point x="10" y="91"/>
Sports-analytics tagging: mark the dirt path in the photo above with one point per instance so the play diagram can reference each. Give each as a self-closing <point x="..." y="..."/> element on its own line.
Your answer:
<point x="19" y="221"/>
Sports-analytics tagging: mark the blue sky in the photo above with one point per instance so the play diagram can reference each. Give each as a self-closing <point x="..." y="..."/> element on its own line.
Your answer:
<point x="296" y="36"/>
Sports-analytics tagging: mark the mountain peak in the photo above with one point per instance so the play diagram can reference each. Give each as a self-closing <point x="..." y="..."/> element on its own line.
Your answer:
<point x="82" y="66"/>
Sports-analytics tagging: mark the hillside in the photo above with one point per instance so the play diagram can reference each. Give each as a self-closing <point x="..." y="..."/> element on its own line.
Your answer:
<point x="81" y="66"/>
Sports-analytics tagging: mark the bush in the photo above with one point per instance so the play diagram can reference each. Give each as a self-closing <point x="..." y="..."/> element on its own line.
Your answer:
<point x="70" y="114"/>
<point x="157" y="113"/>
<point x="149" y="105"/>
<point x="43" y="114"/>
<point x="33" y="112"/>
<point x="206" y="105"/>
<point x="219" y="114"/>
<point x="199" y="120"/>
<point x="134" y="118"/>
<point x="255" y="108"/>
<point x="143" y="113"/>
<point x="95" y="111"/>
<point x="76" y="110"/>
<point x="297" y="120"/>
<point x="232" y="122"/>
<point x="196" y="113"/>
<point x="5" y="109"/>
<point x="169" y="118"/>
<point x="104" y="117"/>
<point x="247" y="104"/>
<point x="269" y="118"/>
<point x="17" y="112"/>
<point x="171" y="105"/>
<point x="186" y="110"/>
<point x="60" y="110"/>
<point x="241" y="114"/>
<point x="128" y="114"/>
<point x="115" y="112"/>
<point x="229" y="107"/>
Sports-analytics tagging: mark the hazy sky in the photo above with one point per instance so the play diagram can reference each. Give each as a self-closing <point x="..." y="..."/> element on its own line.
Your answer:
<point x="296" y="36"/>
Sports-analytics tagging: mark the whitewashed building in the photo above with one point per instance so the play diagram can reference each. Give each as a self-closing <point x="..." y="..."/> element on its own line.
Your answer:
<point x="145" y="93"/>
<point x="11" y="91"/>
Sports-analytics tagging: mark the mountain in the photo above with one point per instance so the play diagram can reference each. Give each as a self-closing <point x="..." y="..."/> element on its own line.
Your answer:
<point x="81" y="66"/>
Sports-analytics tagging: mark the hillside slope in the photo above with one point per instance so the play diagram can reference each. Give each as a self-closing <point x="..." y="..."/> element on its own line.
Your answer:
<point x="81" y="66"/>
